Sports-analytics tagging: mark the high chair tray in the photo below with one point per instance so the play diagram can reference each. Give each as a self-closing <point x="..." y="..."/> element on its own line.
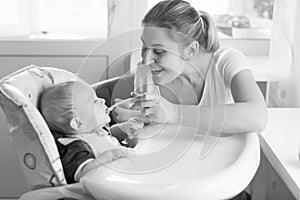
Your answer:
<point x="174" y="162"/>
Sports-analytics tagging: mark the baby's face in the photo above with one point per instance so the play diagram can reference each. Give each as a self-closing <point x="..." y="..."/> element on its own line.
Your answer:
<point x="91" y="110"/>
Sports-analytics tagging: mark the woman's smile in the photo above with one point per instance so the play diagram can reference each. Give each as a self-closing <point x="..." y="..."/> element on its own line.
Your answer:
<point x="156" y="70"/>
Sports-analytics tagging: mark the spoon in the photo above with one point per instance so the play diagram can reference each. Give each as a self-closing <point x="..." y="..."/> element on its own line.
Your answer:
<point x="111" y="108"/>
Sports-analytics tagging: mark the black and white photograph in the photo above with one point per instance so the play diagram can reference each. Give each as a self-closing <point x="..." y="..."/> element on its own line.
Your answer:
<point x="149" y="100"/>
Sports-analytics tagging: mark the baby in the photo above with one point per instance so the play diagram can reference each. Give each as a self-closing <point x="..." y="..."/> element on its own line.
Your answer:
<point x="73" y="110"/>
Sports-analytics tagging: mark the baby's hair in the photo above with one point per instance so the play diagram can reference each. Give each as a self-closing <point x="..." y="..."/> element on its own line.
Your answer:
<point x="56" y="106"/>
<point x="179" y="16"/>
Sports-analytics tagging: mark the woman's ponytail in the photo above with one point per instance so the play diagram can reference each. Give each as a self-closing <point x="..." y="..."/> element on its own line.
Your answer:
<point x="209" y="35"/>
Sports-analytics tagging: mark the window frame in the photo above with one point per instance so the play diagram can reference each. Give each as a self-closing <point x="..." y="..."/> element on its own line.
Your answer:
<point x="128" y="17"/>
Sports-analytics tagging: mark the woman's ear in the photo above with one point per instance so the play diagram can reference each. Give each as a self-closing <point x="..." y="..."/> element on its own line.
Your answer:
<point x="192" y="49"/>
<point x="76" y="123"/>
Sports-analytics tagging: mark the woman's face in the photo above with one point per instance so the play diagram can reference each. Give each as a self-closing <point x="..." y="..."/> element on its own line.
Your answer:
<point x="91" y="110"/>
<point x="160" y="47"/>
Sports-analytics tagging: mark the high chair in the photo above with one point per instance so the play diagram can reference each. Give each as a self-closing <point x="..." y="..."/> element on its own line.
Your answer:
<point x="31" y="138"/>
<point x="234" y="158"/>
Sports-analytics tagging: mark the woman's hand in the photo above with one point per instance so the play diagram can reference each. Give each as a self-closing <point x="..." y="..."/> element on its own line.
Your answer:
<point x="155" y="108"/>
<point x="125" y="112"/>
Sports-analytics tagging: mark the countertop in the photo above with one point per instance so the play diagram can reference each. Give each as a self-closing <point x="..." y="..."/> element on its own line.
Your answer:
<point x="280" y="142"/>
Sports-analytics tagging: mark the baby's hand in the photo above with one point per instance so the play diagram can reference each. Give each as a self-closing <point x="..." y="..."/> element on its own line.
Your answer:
<point x="132" y="127"/>
<point x="113" y="154"/>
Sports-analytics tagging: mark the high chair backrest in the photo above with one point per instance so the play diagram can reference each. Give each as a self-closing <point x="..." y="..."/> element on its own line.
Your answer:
<point x="31" y="138"/>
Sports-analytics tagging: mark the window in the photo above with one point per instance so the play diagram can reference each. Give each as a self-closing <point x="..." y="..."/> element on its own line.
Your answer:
<point x="54" y="18"/>
<point x="237" y="19"/>
<point x="14" y="17"/>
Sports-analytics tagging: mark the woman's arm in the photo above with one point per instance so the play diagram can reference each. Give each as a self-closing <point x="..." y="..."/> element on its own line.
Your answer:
<point x="247" y="114"/>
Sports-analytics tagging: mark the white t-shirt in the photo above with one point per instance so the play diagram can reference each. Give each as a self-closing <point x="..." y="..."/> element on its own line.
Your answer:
<point x="227" y="62"/>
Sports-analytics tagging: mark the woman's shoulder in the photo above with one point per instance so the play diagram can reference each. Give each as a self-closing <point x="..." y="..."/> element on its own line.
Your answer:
<point x="228" y="62"/>
<point x="226" y="51"/>
<point x="229" y="55"/>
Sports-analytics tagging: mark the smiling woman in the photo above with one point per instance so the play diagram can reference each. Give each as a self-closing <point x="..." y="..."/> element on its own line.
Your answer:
<point x="181" y="47"/>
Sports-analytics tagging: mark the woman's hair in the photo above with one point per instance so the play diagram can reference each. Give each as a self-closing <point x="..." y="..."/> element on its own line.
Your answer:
<point x="181" y="17"/>
<point x="56" y="106"/>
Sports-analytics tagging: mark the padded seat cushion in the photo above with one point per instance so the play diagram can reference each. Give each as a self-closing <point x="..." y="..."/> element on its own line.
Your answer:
<point x="31" y="138"/>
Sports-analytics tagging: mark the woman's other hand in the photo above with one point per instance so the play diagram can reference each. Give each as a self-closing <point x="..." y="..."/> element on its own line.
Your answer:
<point x="156" y="108"/>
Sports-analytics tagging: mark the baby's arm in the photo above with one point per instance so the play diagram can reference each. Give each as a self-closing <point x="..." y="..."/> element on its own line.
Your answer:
<point x="78" y="158"/>
<point x="105" y="157"/>
<point x="74" y="155"/>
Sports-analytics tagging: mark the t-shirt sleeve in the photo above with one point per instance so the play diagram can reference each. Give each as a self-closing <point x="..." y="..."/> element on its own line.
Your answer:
<point x="231" y="62"/>
<point x="72" y="156"/>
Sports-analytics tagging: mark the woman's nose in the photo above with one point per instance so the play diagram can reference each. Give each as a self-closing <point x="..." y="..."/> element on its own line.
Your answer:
<point x="148" y="57"/>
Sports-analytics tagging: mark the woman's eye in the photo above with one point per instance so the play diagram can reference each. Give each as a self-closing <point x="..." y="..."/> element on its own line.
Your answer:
<point x="158" y="51"/>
